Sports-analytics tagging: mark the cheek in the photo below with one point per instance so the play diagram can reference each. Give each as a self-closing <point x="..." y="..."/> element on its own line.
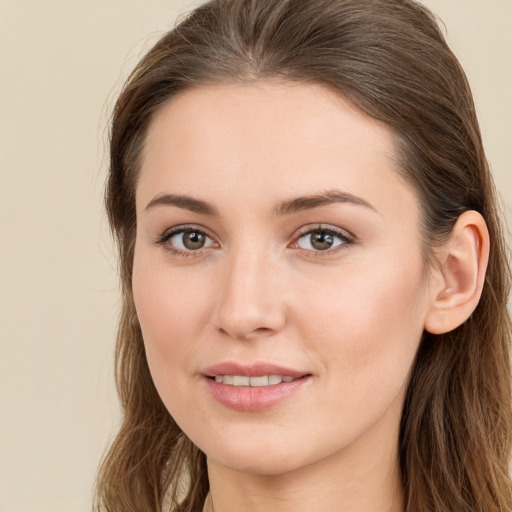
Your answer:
<point x="172" y="310"/>
<point x="367" y="322"/>
<point x="165" y="304"/>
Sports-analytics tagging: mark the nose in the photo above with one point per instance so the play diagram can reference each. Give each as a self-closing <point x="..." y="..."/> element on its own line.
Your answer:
<point x="250" y="303"/>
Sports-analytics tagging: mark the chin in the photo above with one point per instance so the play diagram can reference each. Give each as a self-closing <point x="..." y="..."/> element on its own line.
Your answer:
<point x="270" y="454"/>
<point x="260" y="463"/>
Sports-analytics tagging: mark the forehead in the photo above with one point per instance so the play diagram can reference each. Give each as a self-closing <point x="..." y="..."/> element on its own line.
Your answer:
<point x="267" y="140"/>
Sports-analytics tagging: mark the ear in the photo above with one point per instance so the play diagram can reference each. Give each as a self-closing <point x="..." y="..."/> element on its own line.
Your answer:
<point x="458" y="277"/>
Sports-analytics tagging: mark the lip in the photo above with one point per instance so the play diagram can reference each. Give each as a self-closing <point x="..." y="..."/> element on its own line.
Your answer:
<point x="252" y="370"/>
<point x="253" y="399"/>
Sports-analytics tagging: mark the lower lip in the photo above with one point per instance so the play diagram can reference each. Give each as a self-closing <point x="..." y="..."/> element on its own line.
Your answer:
<point x="253" y="399"/>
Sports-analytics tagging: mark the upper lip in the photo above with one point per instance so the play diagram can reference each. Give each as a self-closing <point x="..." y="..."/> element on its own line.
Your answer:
<point x="251" y="370"/>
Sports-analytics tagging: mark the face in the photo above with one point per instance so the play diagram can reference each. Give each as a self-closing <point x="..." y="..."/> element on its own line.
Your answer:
<point x="278" y="275"/>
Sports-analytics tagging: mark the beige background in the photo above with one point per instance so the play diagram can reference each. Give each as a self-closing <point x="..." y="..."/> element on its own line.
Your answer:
<point x="61" y="64"/>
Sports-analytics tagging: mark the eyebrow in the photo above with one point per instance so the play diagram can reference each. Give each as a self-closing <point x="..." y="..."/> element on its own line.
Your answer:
<point x="185" y="202"/>
<point x="287" y="207"/>
<point x="328" y="197"/>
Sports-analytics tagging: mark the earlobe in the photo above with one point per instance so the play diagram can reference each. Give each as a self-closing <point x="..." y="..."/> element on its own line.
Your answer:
<point x="459" y="276"/>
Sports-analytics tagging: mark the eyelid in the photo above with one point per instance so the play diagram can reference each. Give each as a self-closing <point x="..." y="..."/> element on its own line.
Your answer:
<point x="170" y="232"/>
<point x="344" y="235"/>
<point x="347" y="238"/>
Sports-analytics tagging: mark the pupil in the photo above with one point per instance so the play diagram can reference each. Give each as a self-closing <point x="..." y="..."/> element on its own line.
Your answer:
<point x="193" y="240"/>
<point x="321" y="240"/>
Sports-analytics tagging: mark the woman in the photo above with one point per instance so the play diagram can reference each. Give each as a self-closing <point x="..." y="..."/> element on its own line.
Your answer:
<point x="314" y="273"/>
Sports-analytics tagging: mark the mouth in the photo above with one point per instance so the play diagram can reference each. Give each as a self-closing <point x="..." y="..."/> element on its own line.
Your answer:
<point x="258" y="381"/>
<point x="255" y="387"/>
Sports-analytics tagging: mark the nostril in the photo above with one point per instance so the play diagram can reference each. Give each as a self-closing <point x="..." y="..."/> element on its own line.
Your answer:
<point x="262" y="330"/>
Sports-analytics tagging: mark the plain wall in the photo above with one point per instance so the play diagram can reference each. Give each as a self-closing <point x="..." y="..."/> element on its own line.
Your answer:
<point x="61" y="65"/>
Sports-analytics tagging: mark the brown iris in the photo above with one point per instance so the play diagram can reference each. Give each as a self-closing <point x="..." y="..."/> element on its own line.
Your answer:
<point x="321" y="240"/>
<point x="194" y="240"/>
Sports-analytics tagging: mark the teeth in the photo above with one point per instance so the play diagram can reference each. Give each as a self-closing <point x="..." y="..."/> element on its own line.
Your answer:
<point x="239" y="380"/>
<point x="259" y="381"/>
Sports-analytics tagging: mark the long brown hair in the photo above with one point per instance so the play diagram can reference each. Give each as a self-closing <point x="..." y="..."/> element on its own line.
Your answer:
<point x="390" y="59"/>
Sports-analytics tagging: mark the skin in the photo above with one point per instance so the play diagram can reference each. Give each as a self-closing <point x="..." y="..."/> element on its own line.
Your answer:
<point x="351" y="316"/>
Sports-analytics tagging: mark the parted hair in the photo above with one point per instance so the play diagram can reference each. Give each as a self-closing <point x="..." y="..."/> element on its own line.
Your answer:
<point x="390" y="59"/>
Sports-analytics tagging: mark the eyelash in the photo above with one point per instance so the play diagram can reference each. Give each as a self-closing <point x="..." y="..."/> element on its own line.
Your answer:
<point x="345" y="237"/>
<point x="165" y="237"/>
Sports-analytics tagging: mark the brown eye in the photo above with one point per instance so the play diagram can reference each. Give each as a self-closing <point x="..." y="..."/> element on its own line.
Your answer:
<point x="186" y="240"/>
<point x="193" y="240"/>
<point x="322" y="240"/>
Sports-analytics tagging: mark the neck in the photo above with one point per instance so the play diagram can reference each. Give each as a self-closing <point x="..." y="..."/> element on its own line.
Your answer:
<point x="340" y="482"/>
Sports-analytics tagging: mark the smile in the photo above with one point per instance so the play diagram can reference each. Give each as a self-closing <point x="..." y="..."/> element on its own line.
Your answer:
<point x="262" y="389"/>
<point x="255" y="382"/>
